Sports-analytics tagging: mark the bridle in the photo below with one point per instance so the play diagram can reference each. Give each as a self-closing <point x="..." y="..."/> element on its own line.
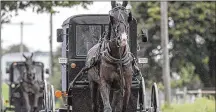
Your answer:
<point x="117" y="36"/>
<point x="27" y="73"/>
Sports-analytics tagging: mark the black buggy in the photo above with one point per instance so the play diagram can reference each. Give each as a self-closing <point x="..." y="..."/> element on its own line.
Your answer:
<point x="46" y="102"/>
<point x="78" y="34"/>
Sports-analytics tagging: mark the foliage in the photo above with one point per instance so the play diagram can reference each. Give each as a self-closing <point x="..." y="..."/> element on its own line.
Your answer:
<point x="200" y="105"/>
<point x="16" y="48"/>
<point x="187" y="77"/>
<point x="10" y="8"/>
<point x="56" y="78"/>
<point x="191" y="39"/>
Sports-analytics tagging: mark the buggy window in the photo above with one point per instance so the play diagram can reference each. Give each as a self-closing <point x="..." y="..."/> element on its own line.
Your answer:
<point x="106" y="28"/>
<point x="86" y="37"/>
<point x="38" y="73"/>
<point x="17" y="75"/>
<point x="8" y="64"/>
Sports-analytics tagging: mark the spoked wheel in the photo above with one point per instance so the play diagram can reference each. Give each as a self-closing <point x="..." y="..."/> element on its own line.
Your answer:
<point x="45" y="98"/>
<point x="52" y="99"/>
<point x="142" y="96"/>
<point x="154" y="99"/>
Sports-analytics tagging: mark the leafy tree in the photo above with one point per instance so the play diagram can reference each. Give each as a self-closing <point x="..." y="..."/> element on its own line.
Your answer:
<point x="16" y="48"/>
<point x="10" y="8"/>
<point x="55" y="80"/>
<point x="192" y="39"/>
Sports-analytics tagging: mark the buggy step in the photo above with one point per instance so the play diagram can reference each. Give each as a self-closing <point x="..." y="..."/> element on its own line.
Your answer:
<point x="48" y="111"/>
<point x="62" y="110"/>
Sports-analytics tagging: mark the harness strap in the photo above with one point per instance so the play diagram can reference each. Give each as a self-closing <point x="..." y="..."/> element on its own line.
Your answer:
<point x="125" y="60"/>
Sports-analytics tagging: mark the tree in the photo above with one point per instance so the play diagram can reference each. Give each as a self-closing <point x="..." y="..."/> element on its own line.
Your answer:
<point x="192" y="38"/>
<point x="55" y="80"/>
<point x="16" y="48"/>
<point x="10" y="8"/>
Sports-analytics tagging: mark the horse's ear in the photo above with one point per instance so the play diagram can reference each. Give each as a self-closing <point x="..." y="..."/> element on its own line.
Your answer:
<point x="113" y="4"/>
<point x="124" y="4"/>
<point x="130" y="17"/>
<point x="31" y="55"/>
<point x="24" y="56"/>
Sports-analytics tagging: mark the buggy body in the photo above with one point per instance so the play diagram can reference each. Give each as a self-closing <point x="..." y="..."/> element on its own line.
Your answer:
<point x="16" y="99"/>
<point x="79" y="34"/>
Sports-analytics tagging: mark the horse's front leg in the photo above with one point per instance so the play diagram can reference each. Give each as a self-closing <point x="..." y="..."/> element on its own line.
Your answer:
<point x="36" y="97"/>
<point x="128" y="83"/>
<point x="105" y="91"/>
<point x="94" y="95"/>
<point x="117" y="101"/>
<point x="27" y="104"/>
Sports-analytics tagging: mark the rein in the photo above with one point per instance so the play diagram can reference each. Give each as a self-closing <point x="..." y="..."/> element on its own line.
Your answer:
<point x="120" y="72"/>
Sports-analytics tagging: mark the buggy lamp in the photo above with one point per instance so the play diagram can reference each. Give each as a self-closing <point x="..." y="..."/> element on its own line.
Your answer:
<point x="58" y="94"/>
<point x="12" y="85"/>
<point x="73" y="65"/>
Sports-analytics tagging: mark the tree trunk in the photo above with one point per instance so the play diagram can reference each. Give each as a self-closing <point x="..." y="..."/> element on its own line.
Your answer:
<point x="212" y="63"/>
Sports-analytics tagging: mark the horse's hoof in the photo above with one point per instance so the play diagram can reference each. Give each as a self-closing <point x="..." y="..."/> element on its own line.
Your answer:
<point x="35" y="109"/>
<point x="107" y="110"/>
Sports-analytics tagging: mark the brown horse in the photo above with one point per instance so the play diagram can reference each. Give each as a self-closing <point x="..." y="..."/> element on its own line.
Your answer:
<point x="113" y="72"/>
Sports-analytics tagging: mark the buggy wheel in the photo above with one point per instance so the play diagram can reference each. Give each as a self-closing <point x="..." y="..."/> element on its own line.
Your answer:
<point x="154" y="99"/>
<point x="142" y="96"/>
<point x="45" y="98"/>
<point x="52" y="99"/>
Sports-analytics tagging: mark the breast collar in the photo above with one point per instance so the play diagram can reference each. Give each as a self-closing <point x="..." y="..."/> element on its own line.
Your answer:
<point x="126" y="58"/>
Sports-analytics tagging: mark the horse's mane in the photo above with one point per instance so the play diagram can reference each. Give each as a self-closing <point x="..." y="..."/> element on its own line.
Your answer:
<point x="109" y="31"/>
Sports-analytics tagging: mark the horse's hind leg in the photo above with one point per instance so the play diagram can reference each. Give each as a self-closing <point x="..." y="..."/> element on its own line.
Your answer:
<point x="104" y="90"/>
<point x="94" y="95"/>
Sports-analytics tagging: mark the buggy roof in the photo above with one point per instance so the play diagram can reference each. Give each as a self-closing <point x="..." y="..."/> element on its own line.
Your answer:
<point x="87" y="19"/>
<point x="23" y="62"/>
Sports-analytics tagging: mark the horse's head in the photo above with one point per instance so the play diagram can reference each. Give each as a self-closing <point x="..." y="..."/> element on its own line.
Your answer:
<point x="120" y="18"/>
<point x="29" y="67"/>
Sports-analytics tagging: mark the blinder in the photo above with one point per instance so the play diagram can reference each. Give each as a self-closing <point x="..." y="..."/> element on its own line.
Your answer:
<point x="119" y="15"/>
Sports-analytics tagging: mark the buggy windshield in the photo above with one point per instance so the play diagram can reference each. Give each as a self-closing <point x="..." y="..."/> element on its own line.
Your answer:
<point x="20" y="69"/>
<point x="86" y="37"/>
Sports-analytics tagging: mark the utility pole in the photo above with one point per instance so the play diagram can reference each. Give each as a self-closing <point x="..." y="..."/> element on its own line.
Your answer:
<point x="164" y="41"/>
<point x="1" y="108"/>
<point x="50" y="42"/>
<point x="22" y="24"/>
<point x="21" y="37"/>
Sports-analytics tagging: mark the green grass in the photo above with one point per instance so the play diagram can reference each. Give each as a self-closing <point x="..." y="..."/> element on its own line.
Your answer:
<point x="5" y="92"/>
<point x="200" y="105"/>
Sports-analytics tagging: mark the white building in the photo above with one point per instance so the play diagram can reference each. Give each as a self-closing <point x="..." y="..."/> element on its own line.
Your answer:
<point x="7" y="59"/>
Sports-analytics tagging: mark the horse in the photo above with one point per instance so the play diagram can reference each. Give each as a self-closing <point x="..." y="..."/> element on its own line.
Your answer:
<point x="113" y="69"/>
<point x="30" y="85"/>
